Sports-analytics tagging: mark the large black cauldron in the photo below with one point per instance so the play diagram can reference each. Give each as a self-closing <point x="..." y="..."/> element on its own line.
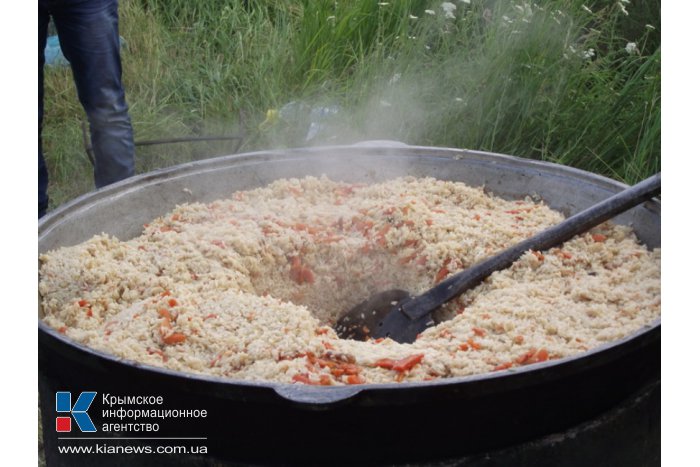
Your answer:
<point x="263" y="423"/>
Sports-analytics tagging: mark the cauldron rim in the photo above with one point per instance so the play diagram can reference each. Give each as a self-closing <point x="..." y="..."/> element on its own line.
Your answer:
<point x="505" y="379"/>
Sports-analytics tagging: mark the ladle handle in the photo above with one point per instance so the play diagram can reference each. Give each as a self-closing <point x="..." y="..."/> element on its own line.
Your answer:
<point x="583" y="221"/>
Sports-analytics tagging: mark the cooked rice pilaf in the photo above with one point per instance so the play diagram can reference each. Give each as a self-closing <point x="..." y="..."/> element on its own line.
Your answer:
<point x="248" y="288"/>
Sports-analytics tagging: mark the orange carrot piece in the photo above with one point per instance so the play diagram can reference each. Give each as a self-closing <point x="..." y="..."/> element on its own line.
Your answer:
<point x="503" y="366"/>
<point x="165" y="314"/>
<point x="355" y="379"/>
<point x="406" y="364"/>
<point x="304" y="378"/>
<point x="542" y="355"/>
<point x="386" y="363"/>
<point x="524" y="358"/>
<point x="174" y="338"/>
<point x="442" y="273"/>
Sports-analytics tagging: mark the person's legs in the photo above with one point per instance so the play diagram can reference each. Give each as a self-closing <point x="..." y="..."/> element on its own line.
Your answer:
<point x="43" y="173"/>
<point x="89" y="36"/>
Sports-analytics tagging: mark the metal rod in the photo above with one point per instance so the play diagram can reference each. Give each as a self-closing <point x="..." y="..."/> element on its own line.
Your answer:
<point x="187" y="139"/>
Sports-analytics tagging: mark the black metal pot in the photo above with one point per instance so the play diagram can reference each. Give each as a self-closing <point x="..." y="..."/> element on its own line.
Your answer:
<point x="283" y="423"/>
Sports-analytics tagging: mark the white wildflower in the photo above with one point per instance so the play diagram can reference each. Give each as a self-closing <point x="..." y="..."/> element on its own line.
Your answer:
<point x="622" y="8"/>
<point x="584" y="54"/>
<point x="466" y="1"/>
<point x="383" y="3"/>
<point x="330" y="18"/>
<point x="448" y="8"/>
<point x="650" y="27"/>
<point x="459" y="99"/>
<point x="631" y="48"/>
<point x="519" y="8"/>
<point x="410" y="16"/>
<point x="527" y="11"/>
<point x="586" y="9"/>
<point x="507" y="19"/>
<point x="625" y="1"/>
<point x="430" y="12"/>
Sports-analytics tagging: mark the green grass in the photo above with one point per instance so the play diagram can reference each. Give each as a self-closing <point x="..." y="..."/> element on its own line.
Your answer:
<point x="505" y="76"/>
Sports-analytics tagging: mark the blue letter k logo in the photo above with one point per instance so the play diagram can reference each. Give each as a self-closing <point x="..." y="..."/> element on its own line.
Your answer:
<point x="79" y="410"/>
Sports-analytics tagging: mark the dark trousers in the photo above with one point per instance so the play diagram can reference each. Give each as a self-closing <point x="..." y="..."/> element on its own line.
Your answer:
<point x="89" y="37"/>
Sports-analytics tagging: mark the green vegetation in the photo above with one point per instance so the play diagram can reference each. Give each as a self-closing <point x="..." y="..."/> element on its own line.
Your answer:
<point x="569" y="81"/>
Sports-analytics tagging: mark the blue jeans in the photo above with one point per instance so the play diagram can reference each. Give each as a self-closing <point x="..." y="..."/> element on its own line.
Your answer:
<point x="89" y="37"/>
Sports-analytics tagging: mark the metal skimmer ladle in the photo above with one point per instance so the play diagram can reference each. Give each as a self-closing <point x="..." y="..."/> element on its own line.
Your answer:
<point x="398" y="315"/>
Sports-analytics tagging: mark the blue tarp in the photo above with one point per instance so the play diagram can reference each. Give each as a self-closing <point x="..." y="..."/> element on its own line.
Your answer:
<point x="53" y="55"/>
